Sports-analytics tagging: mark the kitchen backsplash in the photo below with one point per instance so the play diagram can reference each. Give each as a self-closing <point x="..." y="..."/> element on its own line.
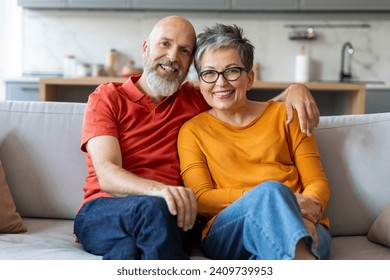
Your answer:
<point x="88" y="35"/>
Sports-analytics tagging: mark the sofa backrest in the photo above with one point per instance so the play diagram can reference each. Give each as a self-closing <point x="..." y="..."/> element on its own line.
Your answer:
<point x="39" y="149"/>
<point x="355" y="153"/>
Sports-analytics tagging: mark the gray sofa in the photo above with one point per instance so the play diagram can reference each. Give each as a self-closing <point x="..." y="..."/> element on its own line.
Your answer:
<point x="45" y="170"/>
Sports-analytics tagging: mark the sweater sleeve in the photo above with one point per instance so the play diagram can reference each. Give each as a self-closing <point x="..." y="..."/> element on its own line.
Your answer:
<point x="307" y="160"/>
<point x="196" y="175"/>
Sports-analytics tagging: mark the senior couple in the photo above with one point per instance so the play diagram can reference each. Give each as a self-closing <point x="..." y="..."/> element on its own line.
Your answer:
<point x="162" y="152"/>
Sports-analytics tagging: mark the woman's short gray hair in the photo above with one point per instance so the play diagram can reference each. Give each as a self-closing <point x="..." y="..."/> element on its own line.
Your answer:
<point x="224" y="36"/>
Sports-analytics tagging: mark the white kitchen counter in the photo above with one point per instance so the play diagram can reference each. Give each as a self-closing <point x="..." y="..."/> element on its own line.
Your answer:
<point x="378" y="87"/>
<point x="23" y="80"/>
<point x="32" y="79"/>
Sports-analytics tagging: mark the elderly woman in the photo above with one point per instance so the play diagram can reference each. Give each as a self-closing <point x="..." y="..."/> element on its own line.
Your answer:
<point x="259" y="183"/>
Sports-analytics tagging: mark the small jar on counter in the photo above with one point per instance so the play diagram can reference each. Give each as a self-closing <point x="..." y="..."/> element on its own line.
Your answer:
<point x="98" y="70"/>
<point x="69" y="70"/>
<point x="84" y="70"/>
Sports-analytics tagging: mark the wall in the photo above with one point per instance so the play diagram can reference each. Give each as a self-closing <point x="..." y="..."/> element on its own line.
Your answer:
<point x="10" y="42"/>
<point x="49" y="35"/>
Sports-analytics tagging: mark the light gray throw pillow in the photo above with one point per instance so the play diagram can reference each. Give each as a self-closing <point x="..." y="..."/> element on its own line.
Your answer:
<point x="380" y="229"/>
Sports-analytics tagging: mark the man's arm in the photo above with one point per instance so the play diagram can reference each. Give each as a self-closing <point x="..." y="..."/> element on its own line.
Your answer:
<point x="107" y="161"/>
<point x="298" y="96"/>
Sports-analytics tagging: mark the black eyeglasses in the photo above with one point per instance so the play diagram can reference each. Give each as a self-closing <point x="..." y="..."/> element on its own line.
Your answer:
<point x="230" y="74"/>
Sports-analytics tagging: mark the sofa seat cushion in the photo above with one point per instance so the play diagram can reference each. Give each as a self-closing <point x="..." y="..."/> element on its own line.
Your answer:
<point x="53" y="239"/>
<point x="46" y="239"/>
<point x="357" y="248"/>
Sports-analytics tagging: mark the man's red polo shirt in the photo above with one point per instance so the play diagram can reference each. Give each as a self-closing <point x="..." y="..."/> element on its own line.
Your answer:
<point x="147" y="133"/>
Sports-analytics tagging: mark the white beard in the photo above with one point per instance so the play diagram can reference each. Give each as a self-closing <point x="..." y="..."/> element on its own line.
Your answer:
<point x="159" y="84"/>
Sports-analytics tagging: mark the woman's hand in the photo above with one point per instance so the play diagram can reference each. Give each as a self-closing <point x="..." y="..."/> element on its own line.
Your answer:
<point x="311" y="228"/>
<point x="310" y="207"/>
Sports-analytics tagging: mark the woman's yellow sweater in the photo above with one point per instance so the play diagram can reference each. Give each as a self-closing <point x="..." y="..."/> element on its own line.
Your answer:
<point x="219" y="161"/>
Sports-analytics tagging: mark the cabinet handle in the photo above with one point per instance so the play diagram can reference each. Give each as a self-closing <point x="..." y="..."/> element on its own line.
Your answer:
<point x="28" y="89"/>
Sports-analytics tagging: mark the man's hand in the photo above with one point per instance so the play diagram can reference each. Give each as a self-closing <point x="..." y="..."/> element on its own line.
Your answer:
<point x="181" y="202"/>
<point x="107" y="160"/>
<point x="310" y="207"/>
<point x="298" y="96"/>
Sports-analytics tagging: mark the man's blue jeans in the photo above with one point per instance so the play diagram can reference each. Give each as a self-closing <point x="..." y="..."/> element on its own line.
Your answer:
<point x="266" y="223"/>
<point x="132" y="227"/>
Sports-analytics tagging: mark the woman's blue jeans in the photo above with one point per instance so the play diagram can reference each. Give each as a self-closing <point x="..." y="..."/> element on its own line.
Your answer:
<point x="266" y="223"/>
<point x="132" y="227"/>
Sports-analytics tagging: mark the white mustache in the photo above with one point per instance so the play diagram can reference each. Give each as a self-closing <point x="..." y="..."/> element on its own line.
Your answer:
<point x="167" y="63"/>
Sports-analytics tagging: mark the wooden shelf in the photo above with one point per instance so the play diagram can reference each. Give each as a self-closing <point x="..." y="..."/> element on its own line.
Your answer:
<point x="353" y="95"/>
<point x="49" y="87"/>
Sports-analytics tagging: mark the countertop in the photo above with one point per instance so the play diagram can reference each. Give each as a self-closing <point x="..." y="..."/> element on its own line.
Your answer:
<point x="378" y="87"/>
<point x="87" y="81"/>
<point x="99" y="80"/>
<point x="257" y="84"/>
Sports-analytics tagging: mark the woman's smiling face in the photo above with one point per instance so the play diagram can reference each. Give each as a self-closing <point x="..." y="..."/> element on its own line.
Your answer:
<point x="224" y="94"/>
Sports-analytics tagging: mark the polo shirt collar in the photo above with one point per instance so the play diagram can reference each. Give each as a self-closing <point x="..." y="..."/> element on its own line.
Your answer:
<point x="131" y="89"/>
<point x="134" y="93"/>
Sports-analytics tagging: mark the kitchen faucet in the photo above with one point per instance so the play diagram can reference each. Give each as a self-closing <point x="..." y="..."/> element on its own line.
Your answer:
<point x="345" y="72"/>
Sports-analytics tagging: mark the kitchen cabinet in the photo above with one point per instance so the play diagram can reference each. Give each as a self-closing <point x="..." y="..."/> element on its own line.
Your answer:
<point x="75" y="4"/>
<point x="22" y="91"/>
<point x="377" y="101"/>
<point x="265" y="5"/>
<point x="42" y="3"/>
<point x="182" y="4"/>
<point x="71" y="90"/>
<point x="99" y="4"/>
<point x="344" y="5"/>
<point x="215" y="5"/>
